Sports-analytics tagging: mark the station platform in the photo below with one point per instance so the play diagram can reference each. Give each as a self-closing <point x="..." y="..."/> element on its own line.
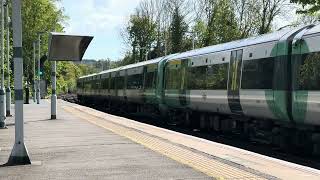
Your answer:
<point x="84" y="143"/>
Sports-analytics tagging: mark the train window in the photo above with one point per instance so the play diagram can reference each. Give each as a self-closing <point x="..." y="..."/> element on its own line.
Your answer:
<point x="309" y="72"/>
<point x="105" y="83"/>
<point x="92" y="82"/>
<point x="150" y="80"/>
<point x="135" y="81"/>
<point x="96" y="84"/>
<point x="112" y="83"/>
<point x="151" y="76"/>
<point x="257" y="74"/>
<point x="197" y="77"/>
<point x="173" y="76"/>
<point x="217" y="76"/>
<point x="120" y="82"/>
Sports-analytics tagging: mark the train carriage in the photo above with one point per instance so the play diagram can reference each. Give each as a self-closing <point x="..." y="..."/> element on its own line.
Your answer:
<point x="267" y="85"/>
<point x="245" y="77"/>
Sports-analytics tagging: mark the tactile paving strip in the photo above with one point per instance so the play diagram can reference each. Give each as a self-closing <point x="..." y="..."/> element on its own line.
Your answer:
<point x="211" y="167"/>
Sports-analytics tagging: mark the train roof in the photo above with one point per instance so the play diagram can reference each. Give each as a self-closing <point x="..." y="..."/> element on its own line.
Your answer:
<point x="109" y="70"/>
<point x="152" y="61"/>
<point x="313" y="30"/>
<point x="86" y="76"/>
<point x="275" y="36"/>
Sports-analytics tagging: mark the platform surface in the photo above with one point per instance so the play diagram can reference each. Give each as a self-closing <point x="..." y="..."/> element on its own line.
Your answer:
<point x="87" y="144"/>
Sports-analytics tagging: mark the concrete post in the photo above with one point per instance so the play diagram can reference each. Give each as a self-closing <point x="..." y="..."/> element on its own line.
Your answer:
<point x="34" y="74"/>
<point x="2" y="88"/>
<point x="8" y="90"/>
<point x="53" y="96"/>
<point x="38" y="73"/>
<point x="19" y="154"/>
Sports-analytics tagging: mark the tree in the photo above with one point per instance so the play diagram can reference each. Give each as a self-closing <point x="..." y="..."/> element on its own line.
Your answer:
<point x="141" y="34"/>
<point x="312" y="5"/>
<point x="218" y="23"/>
<point x="267" y="11"/>
<point x="178" y="30"/>
<point x="38" y="16"/>
<point x="307" y="18"/>
<point x="44" y="16"/>
<point x="247" y="22"/>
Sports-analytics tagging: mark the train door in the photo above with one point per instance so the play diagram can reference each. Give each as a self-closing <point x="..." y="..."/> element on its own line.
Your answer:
<point x="234" y="82"/>
<point x="183" y="92"/>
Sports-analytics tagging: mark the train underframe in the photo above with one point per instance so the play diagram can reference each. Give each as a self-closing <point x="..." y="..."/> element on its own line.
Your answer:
<point x="285" y="136"/>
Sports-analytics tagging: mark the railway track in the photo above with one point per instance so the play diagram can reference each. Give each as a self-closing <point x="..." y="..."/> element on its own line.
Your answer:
<point x="232" y="139"/>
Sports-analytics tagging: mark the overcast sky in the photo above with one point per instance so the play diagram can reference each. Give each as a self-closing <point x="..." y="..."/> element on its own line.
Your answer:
<point x="104" y="19"/>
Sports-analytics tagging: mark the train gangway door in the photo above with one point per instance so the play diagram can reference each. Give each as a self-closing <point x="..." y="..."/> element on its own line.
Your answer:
<point x="234" y="82"/>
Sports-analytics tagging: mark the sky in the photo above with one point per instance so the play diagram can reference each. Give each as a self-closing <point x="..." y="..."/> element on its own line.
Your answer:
<point x="101" y="18"/>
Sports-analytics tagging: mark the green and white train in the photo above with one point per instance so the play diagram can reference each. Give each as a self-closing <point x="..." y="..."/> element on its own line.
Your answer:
<point x="267" y="87"/>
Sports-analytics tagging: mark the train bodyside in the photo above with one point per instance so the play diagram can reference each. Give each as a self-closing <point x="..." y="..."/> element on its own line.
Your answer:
<point x="132" y="85"/>
<point x="247" y="77"/>
<point x="306" y="77"/>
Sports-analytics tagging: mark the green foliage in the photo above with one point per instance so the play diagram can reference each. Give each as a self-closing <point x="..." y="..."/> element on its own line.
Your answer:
<point x="44" y="16"/>
<point x="312" y="6"/>
<point x="309" y="73"/>
<point x="178" y="29"/>
<point x="307" y="18"/>
<point x="38" y="16"/>
<point x="168" y="26"/>
<point x="142" y="31"/>
<point x="221" y="26"/>
<point x="68" y="73"/>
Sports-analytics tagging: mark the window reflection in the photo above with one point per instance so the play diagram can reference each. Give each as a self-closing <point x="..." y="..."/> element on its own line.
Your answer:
<point x="309" y="72"/>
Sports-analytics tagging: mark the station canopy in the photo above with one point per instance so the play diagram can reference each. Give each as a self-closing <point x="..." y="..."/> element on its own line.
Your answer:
<point x="67" y="47"/>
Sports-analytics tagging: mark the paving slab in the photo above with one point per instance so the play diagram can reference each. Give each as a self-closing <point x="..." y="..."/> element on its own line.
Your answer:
<point x="88" y="144"/>
<point x="214" y="159"/>
<point x="70" y="148"/>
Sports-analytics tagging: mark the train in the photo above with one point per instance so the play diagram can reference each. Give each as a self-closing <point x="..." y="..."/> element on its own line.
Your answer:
<point x="265" y="87"/>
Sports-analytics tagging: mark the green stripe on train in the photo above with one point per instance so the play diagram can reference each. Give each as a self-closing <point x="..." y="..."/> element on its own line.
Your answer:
<point x="277" y="103"/>
<point x="276" y="99"/>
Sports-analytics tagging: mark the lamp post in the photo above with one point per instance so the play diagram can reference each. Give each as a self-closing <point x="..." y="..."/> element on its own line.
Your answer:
<point x="34" y="73"/>
<point x="2" y="90"/>
<point x="38" y="74"/>
<point x="19" y="154"/>
<point x="54" y="95"/>
<point x="8" y="90"/>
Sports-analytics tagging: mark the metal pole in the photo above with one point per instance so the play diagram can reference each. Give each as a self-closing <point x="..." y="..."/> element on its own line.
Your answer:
<point x="39" y="78"/>
<point x="193" y="41"/>
<point x="34" y="73"/>
<point x="19" y="154"/>
<point x="146" y="55"/>
<point x="2" y="90"/>
<point x="53" y="96"/>
<point x="165" y="44"/>
<point x="8" y="90"/>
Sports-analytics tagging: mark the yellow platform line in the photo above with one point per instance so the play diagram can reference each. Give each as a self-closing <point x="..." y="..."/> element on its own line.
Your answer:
<point x="209" y="166"/>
